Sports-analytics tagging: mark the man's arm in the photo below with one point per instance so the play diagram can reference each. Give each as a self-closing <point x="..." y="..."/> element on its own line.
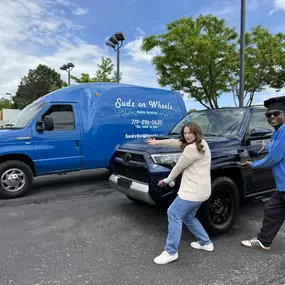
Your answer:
<point x="275" y="155"/>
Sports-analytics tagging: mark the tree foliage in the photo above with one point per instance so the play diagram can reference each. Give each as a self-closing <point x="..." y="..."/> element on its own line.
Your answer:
<point x="200" y="57"/>
<point x="36" y="84"/>
<point x="104" y="73"/>
<point x="5" y="104"/>
<point x="196" y="57"/>
<point x="264" y="63"/>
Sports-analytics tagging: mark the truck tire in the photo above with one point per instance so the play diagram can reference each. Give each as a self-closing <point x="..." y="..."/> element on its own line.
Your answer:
<point x="16" y="177"/>
<point x="220" y="211"/>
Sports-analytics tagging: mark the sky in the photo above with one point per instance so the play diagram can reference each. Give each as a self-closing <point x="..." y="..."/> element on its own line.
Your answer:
<point x="55" y="32"/>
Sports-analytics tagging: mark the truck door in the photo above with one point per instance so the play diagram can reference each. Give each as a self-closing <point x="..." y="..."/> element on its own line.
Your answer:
<point x="60" y="149"/>
<point x="262" y="179"/>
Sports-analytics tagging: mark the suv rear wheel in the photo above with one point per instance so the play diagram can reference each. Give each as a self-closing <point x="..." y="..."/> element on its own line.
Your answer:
<point x="220" y="211"/>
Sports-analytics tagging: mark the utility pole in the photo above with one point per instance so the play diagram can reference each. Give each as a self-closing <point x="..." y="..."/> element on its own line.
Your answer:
<point x="242" y="48"/>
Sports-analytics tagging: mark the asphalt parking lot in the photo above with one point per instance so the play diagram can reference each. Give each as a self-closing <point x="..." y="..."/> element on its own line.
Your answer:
<point x="75" y="229"/>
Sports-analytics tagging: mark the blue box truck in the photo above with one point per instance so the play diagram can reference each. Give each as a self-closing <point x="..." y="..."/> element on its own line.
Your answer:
<point x="79" y="127"/>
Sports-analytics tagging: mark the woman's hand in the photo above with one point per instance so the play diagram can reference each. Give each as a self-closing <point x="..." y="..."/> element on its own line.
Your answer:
<point x="161" y="183"/>
<point x="152" y="141"/>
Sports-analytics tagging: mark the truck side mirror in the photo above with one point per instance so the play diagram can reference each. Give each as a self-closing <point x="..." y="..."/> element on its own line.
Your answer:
<point x="260" y="133"/>
<point x="46" y="124"/>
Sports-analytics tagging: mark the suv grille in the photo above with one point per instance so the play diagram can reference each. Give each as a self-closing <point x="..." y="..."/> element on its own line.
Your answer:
<point x="130" y="165"/>
<point x="134" y="173"/>
<point x="134" y="156"/>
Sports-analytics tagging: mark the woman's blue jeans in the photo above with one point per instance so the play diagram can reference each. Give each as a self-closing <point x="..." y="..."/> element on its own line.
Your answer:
<point x="183" y="211"/>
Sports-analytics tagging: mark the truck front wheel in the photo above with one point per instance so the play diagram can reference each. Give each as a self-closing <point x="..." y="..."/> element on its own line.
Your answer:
<point x="220" y="211"/>
<point x="16" y="177"/>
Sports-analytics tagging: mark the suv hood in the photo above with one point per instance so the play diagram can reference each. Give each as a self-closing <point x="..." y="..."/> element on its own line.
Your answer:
<point x="216" y="144"/>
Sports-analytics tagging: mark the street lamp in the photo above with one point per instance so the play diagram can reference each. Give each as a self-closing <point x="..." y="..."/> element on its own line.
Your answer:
<point x="242" y="44"/>
<point x="11" y="96"/>
<point x="116" y="42"/>
<point x="67" y="67"/>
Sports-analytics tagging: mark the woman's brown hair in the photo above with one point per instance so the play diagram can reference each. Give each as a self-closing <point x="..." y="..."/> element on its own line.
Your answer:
<point x="197" y="131"/>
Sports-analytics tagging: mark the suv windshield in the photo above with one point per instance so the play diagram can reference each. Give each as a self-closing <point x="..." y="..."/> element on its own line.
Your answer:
<point x="214" y="123"/>
<point x="22" y="119"/>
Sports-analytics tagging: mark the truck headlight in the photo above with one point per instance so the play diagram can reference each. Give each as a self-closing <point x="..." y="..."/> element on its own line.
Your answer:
<point x="166" y="159"/>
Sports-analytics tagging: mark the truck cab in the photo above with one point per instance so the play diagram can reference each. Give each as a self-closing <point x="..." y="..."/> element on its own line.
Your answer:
<point x="233" y="134"/>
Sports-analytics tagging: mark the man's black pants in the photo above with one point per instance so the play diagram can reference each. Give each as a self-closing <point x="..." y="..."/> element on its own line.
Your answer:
<point x="273" y="218"/>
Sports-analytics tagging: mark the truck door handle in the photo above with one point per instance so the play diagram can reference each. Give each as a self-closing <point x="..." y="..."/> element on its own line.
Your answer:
<point x="77" y="143"/>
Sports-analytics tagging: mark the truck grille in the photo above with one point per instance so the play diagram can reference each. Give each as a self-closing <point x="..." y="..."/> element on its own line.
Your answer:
<point x="134" y="173"/>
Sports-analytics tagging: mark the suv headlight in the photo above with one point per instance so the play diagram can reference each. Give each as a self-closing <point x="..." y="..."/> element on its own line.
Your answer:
<point x="166" y="159"/>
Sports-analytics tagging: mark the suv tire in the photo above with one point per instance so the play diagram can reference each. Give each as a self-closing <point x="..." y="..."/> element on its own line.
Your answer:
<point x="220" y="211"/>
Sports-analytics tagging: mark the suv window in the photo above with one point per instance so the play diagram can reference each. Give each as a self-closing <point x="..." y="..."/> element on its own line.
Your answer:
<point x="258" y="120"/>
<point x="218" y="122"/>
<point x="62" y="116"/>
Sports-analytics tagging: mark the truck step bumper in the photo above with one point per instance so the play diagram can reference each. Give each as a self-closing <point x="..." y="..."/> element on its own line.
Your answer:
<point x="136" y="190"/>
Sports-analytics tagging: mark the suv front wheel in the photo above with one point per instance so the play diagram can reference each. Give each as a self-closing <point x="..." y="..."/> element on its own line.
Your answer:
<point x="220" y="211"/>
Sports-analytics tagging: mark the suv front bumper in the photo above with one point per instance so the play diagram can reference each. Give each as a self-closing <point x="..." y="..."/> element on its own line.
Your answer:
<point x="136" y="190"/>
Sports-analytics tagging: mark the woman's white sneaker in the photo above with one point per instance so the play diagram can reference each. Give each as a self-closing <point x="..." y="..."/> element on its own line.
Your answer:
<point x="207" y="247"/>
<point x="165" y="258"/>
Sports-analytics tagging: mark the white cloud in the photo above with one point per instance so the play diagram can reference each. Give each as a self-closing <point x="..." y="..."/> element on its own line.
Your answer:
<point x="79" y="11"/>
<point x="140" y="31"/>
<point x="134" y="50"/>
<point x="266" y="94"/>
<point x="40" y="32"/>
<point x="278" y="5"/>
<point x="230" y="9"/>
<point x="76" y="10"/>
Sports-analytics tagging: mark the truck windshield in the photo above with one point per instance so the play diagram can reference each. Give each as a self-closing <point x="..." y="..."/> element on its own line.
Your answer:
<point x="22" y="119"/>
<point x="214" y="123"/>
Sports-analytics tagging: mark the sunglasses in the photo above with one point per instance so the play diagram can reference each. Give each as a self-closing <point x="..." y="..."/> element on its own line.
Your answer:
<point x="274" y="114"/>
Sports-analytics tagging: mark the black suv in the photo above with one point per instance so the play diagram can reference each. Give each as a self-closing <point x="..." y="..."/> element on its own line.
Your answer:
<point x="233" y="134"/>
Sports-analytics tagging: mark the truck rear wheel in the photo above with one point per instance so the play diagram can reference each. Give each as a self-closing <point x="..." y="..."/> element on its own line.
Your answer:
<point x="16" y="177"/>
<point x="220" y="211"/>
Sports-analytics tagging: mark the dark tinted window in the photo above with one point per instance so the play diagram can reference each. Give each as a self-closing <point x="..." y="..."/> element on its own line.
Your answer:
<point x="258" y="121"/>
<point x="62" y="116"/>
<point x="220" y="122"/>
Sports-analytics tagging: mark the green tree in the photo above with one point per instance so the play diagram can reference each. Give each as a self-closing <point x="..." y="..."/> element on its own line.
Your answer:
<point x="196" y="57"/>
<point x="264" y="63"/>
<point x="36" y="84"/>
<point x="104" y="73"/>
<point x="5" y="104"/>
<point x="201" y="58"/>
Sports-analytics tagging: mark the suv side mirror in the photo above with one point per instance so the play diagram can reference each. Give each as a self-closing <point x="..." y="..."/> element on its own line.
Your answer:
<point x="46" y="124"/>
<point x="260" y="133"/>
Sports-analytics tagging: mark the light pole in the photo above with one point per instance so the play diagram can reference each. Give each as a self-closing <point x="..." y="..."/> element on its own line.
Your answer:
<point x="116" y="42"/>
<point x="242" y="45"/>
<point x="11" y="96"/>
<point x="68" y="67"/>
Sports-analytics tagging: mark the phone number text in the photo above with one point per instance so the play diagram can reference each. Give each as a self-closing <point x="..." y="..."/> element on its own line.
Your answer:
<point x="147" y="122"/>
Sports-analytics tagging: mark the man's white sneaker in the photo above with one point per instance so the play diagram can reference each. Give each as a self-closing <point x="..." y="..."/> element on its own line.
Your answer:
<point x="207" y="247"/>
<point x="165" y="258"/>
<point x="255" y="243"/>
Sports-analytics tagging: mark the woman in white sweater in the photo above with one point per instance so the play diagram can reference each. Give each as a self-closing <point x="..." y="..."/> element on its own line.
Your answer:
<point x="195" y="188"/>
